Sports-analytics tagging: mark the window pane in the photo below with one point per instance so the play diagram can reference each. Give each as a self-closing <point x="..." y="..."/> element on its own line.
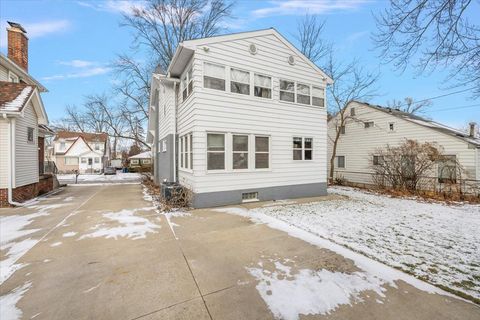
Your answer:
<point x="215" y="142"/>
<point x="263" y="81"/>
<point x="303" y="89"/>
<point x="319" y="102"/>
<point x="190" y="74"/>
<point x="341" y="161"/>
<point x="261" y="160"/>
<point x="216" y="161"/>
<point x="287" y="96"/>
<point x="308" y="154"/>
<point x="263" y="92"/>
<point x="241" y="88"/>
<point x="317" y="92"/>
<point x="261" y="144"/>
<point x="308" y="143"/>
<point x="240" y="160"/>
<point x="240" y="143"/>
<point x="303" y="99"/>
<point x="214" y="71"/>
<point x="297" y="154"/>
<point x="240" y="76"/>
<point x="190" y="87"/>
<point x="297" y="143"/>
<point x="214" y="83"/>
<point x="287" y="85"/>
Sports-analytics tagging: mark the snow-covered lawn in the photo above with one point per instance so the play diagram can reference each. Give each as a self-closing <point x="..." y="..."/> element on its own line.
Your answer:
<point x="435" y="242"/>
<point x="101" y="178"/>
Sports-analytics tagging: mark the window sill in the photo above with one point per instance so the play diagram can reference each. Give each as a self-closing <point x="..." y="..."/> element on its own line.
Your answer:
<point x="185" y="170"/>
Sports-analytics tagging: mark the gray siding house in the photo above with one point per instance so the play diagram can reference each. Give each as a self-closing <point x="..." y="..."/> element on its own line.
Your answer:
<point x="238" y="118"/>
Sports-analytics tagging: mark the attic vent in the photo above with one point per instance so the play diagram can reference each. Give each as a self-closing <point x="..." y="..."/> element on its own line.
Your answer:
<point x="291" y="60"/>
<point x="253" y="49"/>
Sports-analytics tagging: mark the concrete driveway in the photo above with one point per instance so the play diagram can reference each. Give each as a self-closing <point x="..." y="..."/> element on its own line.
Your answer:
<point x="104" y="252"/>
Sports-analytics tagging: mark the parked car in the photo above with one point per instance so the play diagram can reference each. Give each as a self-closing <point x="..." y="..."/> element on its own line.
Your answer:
<point x="110" y="170"/>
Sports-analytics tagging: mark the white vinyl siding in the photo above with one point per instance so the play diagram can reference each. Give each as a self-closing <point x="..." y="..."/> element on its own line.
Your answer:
<point x="216" y="111"/>
<point x="26" y="152"/>
<point x="359" y="144"/>
<point x="4" y="153"/>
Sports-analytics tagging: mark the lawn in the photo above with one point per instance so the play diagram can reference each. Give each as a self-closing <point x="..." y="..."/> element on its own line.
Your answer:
<point x="435" y="242"/>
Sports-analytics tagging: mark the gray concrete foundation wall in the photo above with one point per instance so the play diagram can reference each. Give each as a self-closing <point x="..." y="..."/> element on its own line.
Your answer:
<point x="222" y="198"/>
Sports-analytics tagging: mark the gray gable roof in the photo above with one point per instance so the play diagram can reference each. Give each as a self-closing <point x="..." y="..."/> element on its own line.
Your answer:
<point x="426" y="123"/>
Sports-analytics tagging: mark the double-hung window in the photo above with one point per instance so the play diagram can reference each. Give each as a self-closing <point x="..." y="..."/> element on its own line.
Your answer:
<point x="240" y="152"/>
<point x="302" y="148"/>
<point x="215" y="151"/>
<point x="214" y="76"/>
<point x="287" y="91"/>
<point x="187" y="84"/>
<point x="239" y="81"/>
<point x="186" y="151"/>
<point x="318" y="97"/>
<point x="263" y="86"/>
<point x="30" y="134"/>
<point x="262" y="150"/>
<point x="303" y="93"/>
<point x="185" y="88"/>
<point x="340" y="162"/>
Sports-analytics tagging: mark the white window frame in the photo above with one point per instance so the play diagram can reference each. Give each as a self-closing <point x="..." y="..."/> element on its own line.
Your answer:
<point x="224" y="76"/>
<point x="134" y="161"/>
<point x="32" y="131"/>
<point x="313" y="96"/>
<point x="309" y="93"/>
<point x="293" y="92"/>
<point x="303" y="148"/>
<point x="271" y="85"/>
<point x="248" y="151"/>
<point x="164" y="145"/>
<point x="146" y="161"/>
<point x="249" y="81"/>
<point x="185" y="152"/>
<point x="344" y="162"/>
<point x="96" y="160"/>
<point x="187" y="83"/>
<point x="83" y="160"/>
<point x="225" y="152"/>
<point x="269" y="152"/>
<point x="14" y="76"/>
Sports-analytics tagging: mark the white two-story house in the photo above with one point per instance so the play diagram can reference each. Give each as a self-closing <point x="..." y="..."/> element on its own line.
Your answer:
<point x="81" y="151"/>
<point x="240" y="117"/>
<point x="370" y="127"/>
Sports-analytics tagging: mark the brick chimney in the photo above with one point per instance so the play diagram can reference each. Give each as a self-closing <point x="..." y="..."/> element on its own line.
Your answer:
<point x="18" y="45"/>
<point x="473" y="129"/>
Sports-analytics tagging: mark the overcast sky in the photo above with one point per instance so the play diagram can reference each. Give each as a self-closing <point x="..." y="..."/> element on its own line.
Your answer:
<point x="72" y="43"/>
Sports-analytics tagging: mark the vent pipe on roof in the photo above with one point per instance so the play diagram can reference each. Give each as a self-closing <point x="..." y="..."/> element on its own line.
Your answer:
<point x="473" y="129"/>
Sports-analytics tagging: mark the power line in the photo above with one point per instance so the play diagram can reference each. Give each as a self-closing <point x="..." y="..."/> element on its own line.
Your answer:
<point x="437" y="97"/>
<point x="459" y="107"/>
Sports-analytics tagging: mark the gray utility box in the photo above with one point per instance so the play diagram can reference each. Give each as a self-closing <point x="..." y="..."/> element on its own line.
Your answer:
<point x="168" y="189"/>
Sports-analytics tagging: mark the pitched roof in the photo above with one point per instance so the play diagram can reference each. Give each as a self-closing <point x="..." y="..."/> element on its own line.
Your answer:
<point x="102" y="137"/>
<point x="14" y="96"/>
<point x="143" y="155"/>
<point x="24" y="76"/>
<point x="427" y="123"/>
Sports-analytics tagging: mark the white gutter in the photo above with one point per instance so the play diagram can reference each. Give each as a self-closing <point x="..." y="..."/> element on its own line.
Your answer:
<point x="11" y="162"/>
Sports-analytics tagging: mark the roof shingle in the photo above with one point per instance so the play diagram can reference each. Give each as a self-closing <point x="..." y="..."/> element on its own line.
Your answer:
<point x="13" y="96"/>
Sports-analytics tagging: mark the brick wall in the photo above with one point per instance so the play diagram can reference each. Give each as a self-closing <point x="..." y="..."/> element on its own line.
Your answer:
<point x="28" y="191"/>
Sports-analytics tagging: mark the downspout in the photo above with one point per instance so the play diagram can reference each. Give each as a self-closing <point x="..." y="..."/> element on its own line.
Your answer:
<point x="11" y="161"/>
<point x="156" y="139"/>
<point x="175" y="133"/>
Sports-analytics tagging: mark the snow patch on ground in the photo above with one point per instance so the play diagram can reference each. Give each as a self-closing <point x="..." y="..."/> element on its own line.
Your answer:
<point x="69" y="234"/>
<point x="290" y="293"/>
<point x="131" y="225"/>
<point x="371" y="267"/>
<point x="56" y="244"/>
<point x="120" y="177"/>
<point x="9" y="310"/>
<point x="439" y="243"/>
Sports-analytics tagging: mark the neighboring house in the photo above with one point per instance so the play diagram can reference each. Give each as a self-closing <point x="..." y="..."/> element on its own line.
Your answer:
<point x="85" y="152"/>
<point x="23" y="125"/>
<point x="141" y="162"/>
<point x="369" y="127"/>
<point x="240" y="117"/>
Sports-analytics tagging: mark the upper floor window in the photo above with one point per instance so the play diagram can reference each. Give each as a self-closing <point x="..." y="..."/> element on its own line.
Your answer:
<point x="341" y="129"/>
<point x="62" y="145"/>
<point x="303" y="93"/>
<point x="352" y="112"/>
<point x="30" y="134"/>
<point x="97" y="146"/>
<point x="318" y="97"/>
<point x="213" y="76"/>
<point x="239" y="81"/>
<point x="215" y="151"/>
<point x="287" y="90"/>
<point x="263" y="86"/>
<point x="391" y="126"/>
<point x="187" y="84"/>
<point x="369" y="124"/>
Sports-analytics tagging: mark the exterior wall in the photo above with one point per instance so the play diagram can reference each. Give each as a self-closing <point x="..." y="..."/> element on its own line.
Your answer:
<point x="359" y="143"/>
<point x="3" y="73"/>
<point x="26" y="153"/>
<point x="4" y="152"/>
<point x="208" y="110"/>
<point x="27" y="192"/>
<point x="62" y="167"/>
<point x="95" y="167"/>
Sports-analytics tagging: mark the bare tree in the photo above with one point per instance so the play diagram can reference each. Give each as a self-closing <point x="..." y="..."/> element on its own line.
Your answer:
<point x="434" y="33"/>
<point x="309" y="36"/>
<point x="163" y="24"/>
<point x="409" y="105"/>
